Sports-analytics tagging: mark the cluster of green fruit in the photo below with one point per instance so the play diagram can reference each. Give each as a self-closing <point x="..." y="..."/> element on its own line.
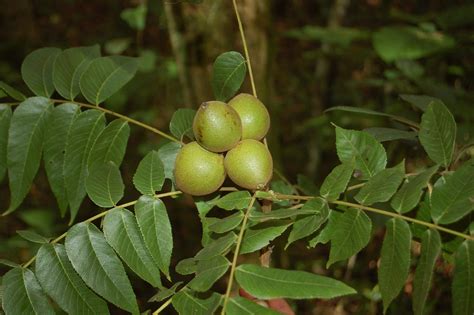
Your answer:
<point x="234" y="129"/>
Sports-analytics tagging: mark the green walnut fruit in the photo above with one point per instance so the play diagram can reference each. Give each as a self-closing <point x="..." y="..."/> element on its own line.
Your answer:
<point x="198" y="171"/>
<point x="249" y="164"/>
<point x="253" y="114"/>
<point x="217" y="126"/>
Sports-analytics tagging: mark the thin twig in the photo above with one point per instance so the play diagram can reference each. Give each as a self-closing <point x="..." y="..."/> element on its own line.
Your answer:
<point x="163" y="306"/>
<point x="277" y="196"/>
<point x="246" y="51"/>
<point x="236" y="254"/>
<point x="124" y="117"/>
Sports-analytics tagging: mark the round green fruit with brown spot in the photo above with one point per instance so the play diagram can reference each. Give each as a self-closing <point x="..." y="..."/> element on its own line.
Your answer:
<point x="253" y="114"/>
<point x="198" y="171"/>
<point x="217" y="126"/>
<point x="249" y="164"/>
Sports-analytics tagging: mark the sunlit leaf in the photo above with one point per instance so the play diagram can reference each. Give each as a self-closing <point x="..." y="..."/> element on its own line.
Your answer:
<point x="394" y="260"/>
<point x="226" y="224"/>
<point x="382" y="186"/>
<point x="104" y="184"/>
<point x="220" y="246"/>
<point x="228" y="74"/>
<point x="430" y="249"/>
<point x="261" y="235"/>
<point x="454" y="199"/>
<point x="61" y="282"/>
<point x="123" y="234"/>
<point x="106" y="75"/>
<point x="181" y="123"/>
<point x="156" y="230"/>
<point x="69" y="66"/>
<point x="408" y="196"/>
<point x="111" y="143"/>
<point x="463" y="281"/>
<point x="150" y="174"/>
<point x="22" y="294"/>
<point x="5" y="118"/>
<point x="208" y="272"/>
<point x="234" y="200"/>
<point x="25" y="144"/>
<point x="271" y="283"/>
<point x="55" y="138"/>
<point x="336" y="182"/>
<point x="37" y="70"/>
<point x="99" y="267"/>
<point x="186" y="302"/>
<point x="305" y="226"/>
<point x="362" y="149"/>
<point x="438" y="133"/>
<point x="85" y="129"/>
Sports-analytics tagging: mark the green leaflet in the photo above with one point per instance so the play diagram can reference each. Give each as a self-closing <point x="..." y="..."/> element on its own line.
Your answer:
<point x="98" y="265"/>
<point x="66" y="287"/>
<point x="394" y="260"/>
<point x="430" y="249"/>
<point x="55" y="138"/>
<point x="22" y="294"/>
<point x="83" y="133"/>
<point x="25" y="145"/>
<point x="382" y="186"/>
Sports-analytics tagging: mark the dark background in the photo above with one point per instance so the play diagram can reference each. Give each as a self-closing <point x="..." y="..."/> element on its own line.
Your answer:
<point x="307" y="56"/>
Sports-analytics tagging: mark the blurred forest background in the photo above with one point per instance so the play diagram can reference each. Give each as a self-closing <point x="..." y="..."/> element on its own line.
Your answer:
<point x="307" y="56"/>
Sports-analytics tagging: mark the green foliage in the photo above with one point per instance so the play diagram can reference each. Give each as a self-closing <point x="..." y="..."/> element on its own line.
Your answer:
<point x="270" y="283"/>
<point x="349" y="233"/>
<point x="68" y="68"/>
<point x="181" y="123"/>
<point x="241" y="306"/>
<point x="22" y="294"/>
<point x="438" y="133"/>
<point x="381" y="186"/>
<point x="37" y="70"/>
<point x="463" y="282"/>
<point x="82" y="156"/>
<point x="122" y="232"/>
<point x="187" y="302"/>
<point x="104" y="185"/>
<point x="5" y="118"/>
<point x="56" y="136"/>
<point x="156" y="230"/>
<point x="406" y="42"/>
<point x="430" y="249"/>
<point x="105" y="76"/>
<point x="408" y="196"/>
<point x="360" y="148"/>
<point x="228" y="74"/>
<point x="24" y="147"/>
<point x="65" y="287"/>
<point x="452" y="200"/>
<point x="150" y="174"/>
<point x="84" y="131"/>
<point x="394" y="260"/>
<point x="99" y="267"/>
